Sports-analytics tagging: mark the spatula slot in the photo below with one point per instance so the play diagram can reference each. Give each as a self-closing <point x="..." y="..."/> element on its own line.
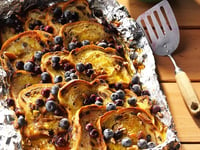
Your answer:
<point x="165" y="16"/>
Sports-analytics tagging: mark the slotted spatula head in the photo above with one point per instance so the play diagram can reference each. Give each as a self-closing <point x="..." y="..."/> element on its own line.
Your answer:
<point x="161" y="28"/>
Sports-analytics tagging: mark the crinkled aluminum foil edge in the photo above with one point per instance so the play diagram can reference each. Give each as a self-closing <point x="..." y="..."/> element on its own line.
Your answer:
<point x="128" y="28"/>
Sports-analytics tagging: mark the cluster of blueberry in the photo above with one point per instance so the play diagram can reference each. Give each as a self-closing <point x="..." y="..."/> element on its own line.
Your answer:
<point x="85" y="68"/>
<point x="92" y="131"/>
<point x="118" y="97"/>
<point x="64" y="17"/>
<point x="93" y="99"/>
<point x="38" y="25"/>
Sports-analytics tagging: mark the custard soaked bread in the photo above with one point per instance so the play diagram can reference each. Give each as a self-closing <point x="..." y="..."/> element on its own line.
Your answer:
<point x="74" y="84"/>
<point x="22" y="47"/>
<point x="43" y="117"/>
<point x="66" y="12"/>
<point x="97" y="62"/>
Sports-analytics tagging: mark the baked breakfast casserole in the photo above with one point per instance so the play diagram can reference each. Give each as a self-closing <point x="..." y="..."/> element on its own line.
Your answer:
<point x="74" y="83"/>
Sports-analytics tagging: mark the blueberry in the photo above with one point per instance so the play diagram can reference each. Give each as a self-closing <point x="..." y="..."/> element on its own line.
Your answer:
<point x="103" y="44"/>
<point x="67" y="66"/>
<point x="89" y="72"/>
<point x="85" y="42"/>
<point x="45" y="92"/>
<point x="55" y="66"/>
<point x="21" y="121"/>
<point x="145" y="92"/>
<point x="132" y="101"/>
<point x="114" y="96"/>
<point x="67" y="74"/>
<point x="67" y="79"/>
<point x="45" y="76"/>
<point x="38" y="55"/>
<point x="73" y="76"/>
<point x="61" y="142"/>
<point x="92" y="98"/>
<point x="135" y="80"/>
<point x="99" y="103"/>
<point x="20" y="65"/>
<point x="108" y="134"/>
<point x="37" y="69"/>
<point x="57" y="12"/>
<point x="155" y="109"/>
<point x="136" y="89"/>
<point x="88" y="66"/>
<point x="151" y="145"/>
<point x="55" y="59"/>
<point x="121" y="94"/>
<point x="142" y="143"/>
<point x="29" y="66"/>
<point x="148" y="138"/>
<point x="48" y="29"/>
<point x="10" y="102"/>
<point x="133" y="55"/>
<point x="39" y="102"/>
<point x="98" y="13"/>
<point x="94" y="133"/>
<point x="118" y="134"/>
<point x="89" y="127"/>
<point x="126" y="142"/>
<point x="50" y="106"/>
<point x="37" y="23"/>
<point x="64" y="123"/>
<point x="110" y="106"/>
<point x="119" y="102"/>
<point x="80" y="67"/>
<point x="67" y="14"/>
<point x="57" y="79"/>
<point x="71" y="46"/>
<point x="75" y="16"/>
<point x="58" y="40"/>
<point x="55" y="89"/>
<point x="118" y="86"/>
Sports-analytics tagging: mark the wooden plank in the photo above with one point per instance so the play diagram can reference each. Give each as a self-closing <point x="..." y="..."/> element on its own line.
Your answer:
<point x="188" y="127"/>
<point x="190" y="146"/>
<point x="187" y="57"/>
<point x="186" y="11"/>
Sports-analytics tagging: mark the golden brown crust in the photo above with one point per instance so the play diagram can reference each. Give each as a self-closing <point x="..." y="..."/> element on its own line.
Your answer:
<point x="22" y="47"/>
<point x="20" y="80"/>
<point x="89" y="30"/>
<point x="72" y="5"/>
<point x="135" y="123"/>
<point x="39" y="121"/>
<point x="82" y="139"/>
<point x="73" y="95"/>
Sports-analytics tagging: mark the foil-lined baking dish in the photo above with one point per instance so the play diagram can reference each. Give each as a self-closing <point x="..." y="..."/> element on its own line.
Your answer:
<point x="131" y="33"/>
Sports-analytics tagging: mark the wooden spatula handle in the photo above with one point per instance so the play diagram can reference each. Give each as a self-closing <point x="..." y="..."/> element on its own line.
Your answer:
<point x="188" y="93"/>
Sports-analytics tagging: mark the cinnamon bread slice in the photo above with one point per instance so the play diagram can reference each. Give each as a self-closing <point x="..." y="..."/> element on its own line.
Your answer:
<point x="66" y="12"/>
<point x="133" y="124"/>
<point x="77" y="93"/>
<point x="20" y="80"/>
<point x="22" y="47"/>
<point x="43" y="114"/>
<point x="82" y="137"/>
<point x="84" y="30"/>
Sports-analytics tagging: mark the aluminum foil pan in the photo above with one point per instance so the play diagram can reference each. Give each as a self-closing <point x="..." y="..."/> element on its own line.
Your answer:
<point x="132" y="34"/>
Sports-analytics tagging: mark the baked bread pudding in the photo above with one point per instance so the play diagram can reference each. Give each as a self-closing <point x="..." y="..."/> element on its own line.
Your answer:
<point x="73" y="82"/>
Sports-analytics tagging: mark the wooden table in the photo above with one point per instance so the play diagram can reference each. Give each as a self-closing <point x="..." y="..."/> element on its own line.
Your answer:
<point x="187" y="57"/>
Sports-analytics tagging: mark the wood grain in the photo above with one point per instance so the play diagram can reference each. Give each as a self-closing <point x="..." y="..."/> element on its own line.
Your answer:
<point x="188" y="127"/>
<point x="186" y="11"/>
<point x="187" y="57"/>
<point x="190" y="146"/>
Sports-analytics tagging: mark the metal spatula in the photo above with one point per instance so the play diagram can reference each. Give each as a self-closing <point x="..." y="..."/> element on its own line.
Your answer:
<point x="163" y="33"/>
